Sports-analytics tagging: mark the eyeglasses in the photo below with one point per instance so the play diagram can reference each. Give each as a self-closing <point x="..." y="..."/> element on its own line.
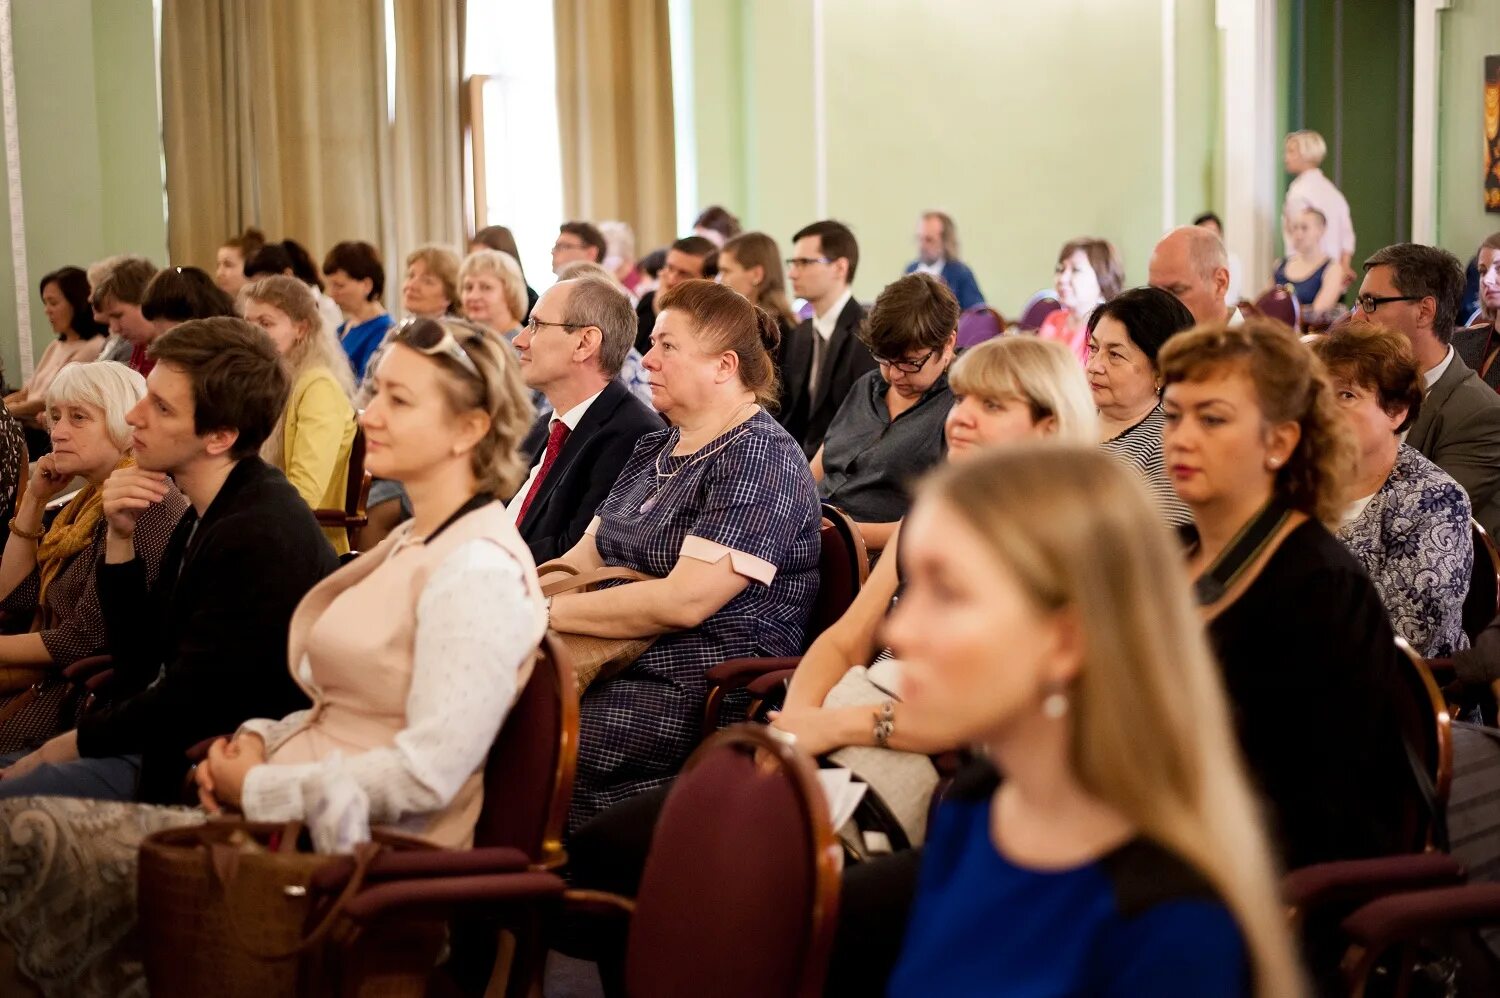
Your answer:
<point x="908" y="366"/>
<point x="534" y="324"/>
<point x="558" y="247"/>
<point x="430" y="338"/>
<point x="1369" y="303"/>
<point x="795" y="262"/>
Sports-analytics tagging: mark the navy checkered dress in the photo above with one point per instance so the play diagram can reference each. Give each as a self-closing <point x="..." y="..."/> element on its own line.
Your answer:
<point x="754" y="494"/>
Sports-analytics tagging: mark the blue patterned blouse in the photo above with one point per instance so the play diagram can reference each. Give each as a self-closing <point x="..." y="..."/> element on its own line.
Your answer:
<point x="1414" y="542"/>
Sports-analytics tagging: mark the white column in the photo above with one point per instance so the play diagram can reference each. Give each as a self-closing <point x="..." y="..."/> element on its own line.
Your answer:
<point x="1252" y="216"/>
<point x="820" y="114"/>
<point x="1426" y="42"/>
<point x="1168" y="114"/>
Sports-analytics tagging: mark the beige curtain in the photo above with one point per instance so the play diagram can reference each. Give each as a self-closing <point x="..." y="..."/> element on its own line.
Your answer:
<point x="614" y="110"/>
<point x="275" y="114"/>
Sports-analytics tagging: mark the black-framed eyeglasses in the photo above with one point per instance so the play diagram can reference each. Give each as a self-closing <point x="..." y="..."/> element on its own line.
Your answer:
<point x="432" y="337"/>
<point x="534" y="324"/>
<point x="804" y="261"/>
<point x="908" y="366"/>
<point x="1369" y="303"/>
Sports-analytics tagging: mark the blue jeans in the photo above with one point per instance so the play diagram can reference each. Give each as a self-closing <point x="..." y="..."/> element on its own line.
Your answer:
<point x="111" y="778"/>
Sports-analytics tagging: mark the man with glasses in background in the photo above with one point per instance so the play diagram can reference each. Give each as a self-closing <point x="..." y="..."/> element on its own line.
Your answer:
<point x="688" y="259"/>
<point x="577" y="241"/>
<point x="823" y="357"/>
<point x="1416" y="290"/>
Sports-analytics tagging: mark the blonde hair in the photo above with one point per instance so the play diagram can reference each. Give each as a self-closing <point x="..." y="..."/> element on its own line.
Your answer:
<point x="318" y="346"/>
<point x="504" y="267"/>
<point x="499" y="392"/>
<point x="110" y="387"/>
<point x="1042" y="373"/>
<point x="1151" y="732"/>
<point x="1309" y="146"/>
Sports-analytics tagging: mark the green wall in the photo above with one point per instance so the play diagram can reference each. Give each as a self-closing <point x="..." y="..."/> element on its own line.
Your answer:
<point x="90" y="146"/>
<point x="1030" y="125"/>
<point x="1470" y="31"/>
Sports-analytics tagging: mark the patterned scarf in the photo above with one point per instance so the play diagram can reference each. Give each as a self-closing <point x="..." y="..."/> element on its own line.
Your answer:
<point x="71" y="532"/>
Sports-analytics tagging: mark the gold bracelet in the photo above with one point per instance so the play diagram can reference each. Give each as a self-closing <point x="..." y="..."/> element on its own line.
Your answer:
<point x="38" y="535"/>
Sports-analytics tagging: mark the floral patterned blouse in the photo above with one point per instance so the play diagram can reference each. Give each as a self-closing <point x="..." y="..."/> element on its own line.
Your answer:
<point x="1413" y="539"/>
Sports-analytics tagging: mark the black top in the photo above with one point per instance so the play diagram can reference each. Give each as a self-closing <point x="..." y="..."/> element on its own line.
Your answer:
<point x="808" y="409"/>
<point x="1310" y="667"/>
<point x="870" y="461"/>
<point x="206" y="647"/>
<point x="645" y="321"/>
<point x="585" y="470"/>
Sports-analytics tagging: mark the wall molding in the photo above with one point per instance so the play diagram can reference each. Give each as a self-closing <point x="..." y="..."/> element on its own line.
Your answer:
<point x="1427" y="41"/>
<point x="13" y="191"/>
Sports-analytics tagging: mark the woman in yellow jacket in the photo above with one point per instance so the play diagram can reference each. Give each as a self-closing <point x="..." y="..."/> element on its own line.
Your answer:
<point x="312" y="441"/>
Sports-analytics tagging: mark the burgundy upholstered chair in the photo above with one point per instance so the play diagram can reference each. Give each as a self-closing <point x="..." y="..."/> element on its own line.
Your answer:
<point x="843" y="567"/>
<point x="1041" y="305"/>
<point x="739" y="895"/>
<point x="1483" y="601"/>
<point x="356" y="493"/>
<point x="1281" y="305"/>
<point x="978" y="324"/>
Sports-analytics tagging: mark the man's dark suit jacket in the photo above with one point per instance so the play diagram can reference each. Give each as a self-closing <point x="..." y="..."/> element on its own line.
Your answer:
<point x="806" y="413"/>
<point x="206" y="648"/>
<point x="1458" y="429"/>
<point x="645" y="322"/>
<point x="585" y="471"/>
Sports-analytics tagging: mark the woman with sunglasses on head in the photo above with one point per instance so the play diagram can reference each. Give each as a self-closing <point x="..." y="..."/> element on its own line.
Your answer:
<point x="889" y="428"/>
<point x="1111" y="844"/>
<point x="722" y="510"/>
<point x="413" y="655"/>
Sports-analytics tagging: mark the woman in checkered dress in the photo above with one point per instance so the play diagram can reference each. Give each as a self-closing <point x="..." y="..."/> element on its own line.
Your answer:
<point x="722" y="508"/>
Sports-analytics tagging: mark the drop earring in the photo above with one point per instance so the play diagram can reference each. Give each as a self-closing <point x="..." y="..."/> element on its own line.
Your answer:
<point x="1055" y="704"/>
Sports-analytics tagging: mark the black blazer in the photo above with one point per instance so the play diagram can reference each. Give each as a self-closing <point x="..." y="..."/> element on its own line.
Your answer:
<point x="807" y="411"/>
<point x="214" y="628"/>
<point x="585" y="471"/>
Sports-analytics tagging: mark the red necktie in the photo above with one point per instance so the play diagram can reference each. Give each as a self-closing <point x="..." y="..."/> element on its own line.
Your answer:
<point x="555" y="441"/>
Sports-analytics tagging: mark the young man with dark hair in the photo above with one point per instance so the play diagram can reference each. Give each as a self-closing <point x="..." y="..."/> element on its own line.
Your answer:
<point x="578" y="241"/>
<point x="823" y="357"/>
<point x="206" y="648"/>
<point x="117" y="302"/>
<point x="689" y="258"/>
<point x="1416" y="291"/>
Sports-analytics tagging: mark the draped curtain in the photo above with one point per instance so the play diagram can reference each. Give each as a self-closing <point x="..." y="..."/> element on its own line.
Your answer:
<point x="275" y="114"/>
<point x="614" y="109"/>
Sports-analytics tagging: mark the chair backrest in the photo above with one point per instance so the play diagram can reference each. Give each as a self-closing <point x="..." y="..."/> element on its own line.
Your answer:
<point x="978" y="324"/>
<point x="739" y="894"/>
<point x="1422" y="715"/>
<point x="1279" y="304"/>
<point x="528" y="778"/>
<point x="1041" y="305"/>
<point x="843" y="567"/>
<point x="1483" y="601"/>
<point x="356" y="491"/>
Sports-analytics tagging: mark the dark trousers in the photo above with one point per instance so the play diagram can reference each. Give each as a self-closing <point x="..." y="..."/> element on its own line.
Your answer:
<point x="608" y="853"/>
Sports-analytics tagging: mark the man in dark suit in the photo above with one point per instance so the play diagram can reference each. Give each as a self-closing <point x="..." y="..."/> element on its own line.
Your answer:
<point x="687" y="259"/>
<point x="1416" y="289"/>
<point x="823" y="356"/>
<point x="937" y="254"/>
<point x="571" y="351"/>
<point x="205" y="648"/>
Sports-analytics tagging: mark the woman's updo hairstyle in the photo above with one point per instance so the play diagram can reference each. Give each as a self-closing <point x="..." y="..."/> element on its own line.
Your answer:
<point x="725" y="321"/>
<point x="499" y="392"/>
<point x="1291" y="386"/>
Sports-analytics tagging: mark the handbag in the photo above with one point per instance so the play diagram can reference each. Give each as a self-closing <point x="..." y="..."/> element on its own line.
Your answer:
<point x="44" y="709"/>
<point x="230" y="908"/>
<point x="594" y="657"/>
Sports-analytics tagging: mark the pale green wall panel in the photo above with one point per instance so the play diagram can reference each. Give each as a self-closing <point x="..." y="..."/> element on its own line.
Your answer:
<point x="129" y="130"/>
<point x="1470" y="31"/>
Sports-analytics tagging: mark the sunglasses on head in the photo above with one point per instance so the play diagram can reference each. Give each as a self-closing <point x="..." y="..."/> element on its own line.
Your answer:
<point x="431" y="338"/>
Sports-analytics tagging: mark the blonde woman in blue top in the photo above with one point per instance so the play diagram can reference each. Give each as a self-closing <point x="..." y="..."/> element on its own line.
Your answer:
<point x="1117" y="849"/>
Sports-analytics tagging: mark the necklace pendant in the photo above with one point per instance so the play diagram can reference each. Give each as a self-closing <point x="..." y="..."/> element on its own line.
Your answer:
<point x="648" y="505"/>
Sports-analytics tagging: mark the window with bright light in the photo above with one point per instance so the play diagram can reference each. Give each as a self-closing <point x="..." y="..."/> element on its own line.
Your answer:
<point x="510" y="53"/>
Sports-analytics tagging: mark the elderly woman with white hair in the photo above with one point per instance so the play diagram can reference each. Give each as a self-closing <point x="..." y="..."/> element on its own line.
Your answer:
<point x="1302" y="155"/>
<point x="47" y="575"/>
<point x="493" y="292"/>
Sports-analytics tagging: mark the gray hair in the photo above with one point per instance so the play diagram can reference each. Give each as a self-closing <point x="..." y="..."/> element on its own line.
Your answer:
<point x="1206" y="249"/>
<point x="598" y="302"/>
<point x="503" y="266"/>
<point x="106" y="385"/>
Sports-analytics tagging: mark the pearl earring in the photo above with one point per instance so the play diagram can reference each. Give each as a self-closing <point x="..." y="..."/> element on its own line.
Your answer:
<point x="1055" y="705"/>
<point x="1274" y="462"/>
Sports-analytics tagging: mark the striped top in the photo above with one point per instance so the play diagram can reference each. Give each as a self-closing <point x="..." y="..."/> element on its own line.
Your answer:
<point x="1140" y="448"/>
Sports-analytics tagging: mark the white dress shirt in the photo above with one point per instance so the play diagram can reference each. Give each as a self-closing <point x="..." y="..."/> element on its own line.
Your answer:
<point x="824" y="325"/>
<point x="935" y="268"/>
<point x="1430" y="378"/>
<point x="570" y="419"/>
